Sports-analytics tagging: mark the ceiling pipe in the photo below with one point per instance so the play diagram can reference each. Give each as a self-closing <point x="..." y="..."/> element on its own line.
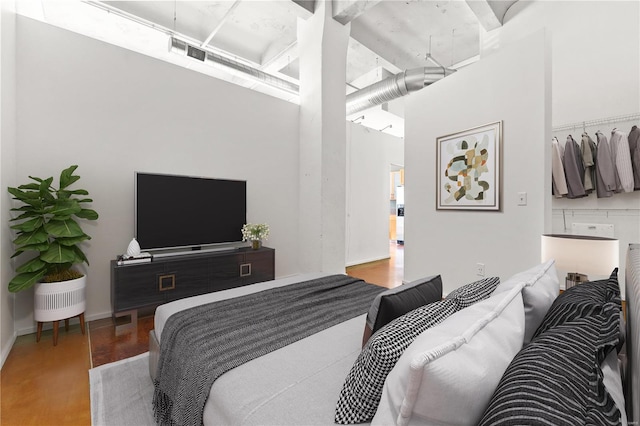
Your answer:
<point x="378" y="93"/>
<point x="196" y="52"/>
<point x="394" y="87"/>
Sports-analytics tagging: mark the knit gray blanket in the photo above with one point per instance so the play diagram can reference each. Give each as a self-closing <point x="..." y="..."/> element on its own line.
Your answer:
<point x="200" y="344"/>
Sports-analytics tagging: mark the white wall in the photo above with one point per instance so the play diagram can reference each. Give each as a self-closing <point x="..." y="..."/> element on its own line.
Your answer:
<point x="113" y="111"/>
<point x="595" y="75"/>
<point x="7" y="165"/>
<point x="450" y="243"/>
<point x="370" y="154"/>
<point x="595" y="54"/>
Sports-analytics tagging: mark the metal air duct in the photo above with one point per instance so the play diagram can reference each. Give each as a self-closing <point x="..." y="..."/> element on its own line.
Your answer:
<point x="394" y="87"/>
<point x="178" y="46"/>
<point x="378" y="93"/>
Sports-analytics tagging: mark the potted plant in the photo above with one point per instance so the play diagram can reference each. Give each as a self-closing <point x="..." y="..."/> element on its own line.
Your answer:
<point x="47" y="226"/>
<point x="255" y="232"/>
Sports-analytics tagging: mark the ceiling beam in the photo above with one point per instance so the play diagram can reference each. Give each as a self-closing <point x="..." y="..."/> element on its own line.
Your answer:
<point x="224" y="19"/>
<point x="485" y="13"/>
<point x="308" y="5"/>
<point x="345" y="11"/>
<point x="280" y="60"/>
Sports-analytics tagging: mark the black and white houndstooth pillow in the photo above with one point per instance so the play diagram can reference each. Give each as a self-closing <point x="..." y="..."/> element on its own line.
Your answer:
<point x="362" y="388"/>
<point x="474" y="292"/>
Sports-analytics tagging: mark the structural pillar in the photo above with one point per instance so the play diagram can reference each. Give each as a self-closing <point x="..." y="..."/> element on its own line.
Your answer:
<point x="322" y="45"/>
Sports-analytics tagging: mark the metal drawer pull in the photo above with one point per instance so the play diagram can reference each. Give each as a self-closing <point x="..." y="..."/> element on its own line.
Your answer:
<point x="166" y="282"/>
<point x="245" y="269"/>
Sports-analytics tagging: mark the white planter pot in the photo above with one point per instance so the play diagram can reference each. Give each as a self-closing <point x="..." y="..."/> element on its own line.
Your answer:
<point x="61" y="300"/>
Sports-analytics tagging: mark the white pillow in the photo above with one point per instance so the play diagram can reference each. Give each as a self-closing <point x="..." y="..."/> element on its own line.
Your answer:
<point x="541" y="288"/>
<point x="449" y="373"/>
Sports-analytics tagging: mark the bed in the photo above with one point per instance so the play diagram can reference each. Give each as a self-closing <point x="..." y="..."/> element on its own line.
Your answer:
<point x="476" y="348"/>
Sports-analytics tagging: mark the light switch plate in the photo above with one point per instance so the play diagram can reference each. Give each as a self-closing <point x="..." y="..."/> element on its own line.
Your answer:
<point x="522" y="198"/>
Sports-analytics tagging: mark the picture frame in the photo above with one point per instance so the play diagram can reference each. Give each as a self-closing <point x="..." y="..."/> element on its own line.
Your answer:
<point x="468" y="169"/>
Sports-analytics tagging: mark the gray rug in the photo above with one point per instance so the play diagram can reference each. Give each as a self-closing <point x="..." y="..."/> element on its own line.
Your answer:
<point x="122" y="393"/>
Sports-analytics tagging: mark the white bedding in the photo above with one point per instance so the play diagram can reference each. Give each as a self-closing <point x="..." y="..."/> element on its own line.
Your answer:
<point x="300" y="383"/>
<point x="303" y="390"/>
<point x="296" y="385"/>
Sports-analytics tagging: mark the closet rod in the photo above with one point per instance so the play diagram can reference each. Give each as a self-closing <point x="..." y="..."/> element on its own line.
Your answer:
<point x="610" y="120"/>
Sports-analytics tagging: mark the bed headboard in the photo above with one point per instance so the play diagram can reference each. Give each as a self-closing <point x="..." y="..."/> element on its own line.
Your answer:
<point x="632" y="296"/>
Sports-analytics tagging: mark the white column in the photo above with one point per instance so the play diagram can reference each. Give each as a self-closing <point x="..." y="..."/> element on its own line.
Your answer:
<point x="323" y="51"/>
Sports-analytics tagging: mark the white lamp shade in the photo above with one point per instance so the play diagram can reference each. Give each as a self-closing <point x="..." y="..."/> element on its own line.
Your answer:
<point x="581" y="254"/>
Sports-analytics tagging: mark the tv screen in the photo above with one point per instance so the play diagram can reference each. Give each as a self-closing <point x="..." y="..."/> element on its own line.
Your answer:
<point x="183" y="211"/>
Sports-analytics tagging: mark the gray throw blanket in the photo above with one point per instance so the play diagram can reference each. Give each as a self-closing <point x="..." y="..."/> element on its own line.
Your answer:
<point x="199" y="344"/>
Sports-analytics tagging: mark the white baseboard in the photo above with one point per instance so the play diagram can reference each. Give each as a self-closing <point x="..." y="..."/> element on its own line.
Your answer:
<point x="49" y="325"/>
<point x="7" y="349"/>
<point x="361" y="261"/>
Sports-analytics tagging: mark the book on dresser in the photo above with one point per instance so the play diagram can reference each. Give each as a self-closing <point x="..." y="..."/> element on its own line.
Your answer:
<point x="130" y="260"/>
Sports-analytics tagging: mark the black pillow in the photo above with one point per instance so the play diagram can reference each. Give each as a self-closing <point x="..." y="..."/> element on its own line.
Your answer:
<point x="395" y="302"/>
<point x="556" y="379"/>
<point x="583" y="300"/>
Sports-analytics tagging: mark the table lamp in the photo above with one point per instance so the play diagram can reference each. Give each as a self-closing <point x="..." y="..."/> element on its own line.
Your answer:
<point x="580" y="255"/>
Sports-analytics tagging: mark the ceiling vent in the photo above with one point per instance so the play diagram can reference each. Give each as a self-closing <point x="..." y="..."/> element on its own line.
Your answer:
<point x="182" y="47"/>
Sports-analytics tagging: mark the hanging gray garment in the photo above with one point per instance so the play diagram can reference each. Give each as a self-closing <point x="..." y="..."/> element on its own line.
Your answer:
<point x="613" y="148"/>
<point x="589" y="163"/>
<point x="605" y="177"/>
<point x="620" y="148"/>
<point x="634" y="149"/>
<point x="574" y="174"/>
<point x="579" y="161"/>
<point x="557" y="170"/>
<point x="594" y="153"/>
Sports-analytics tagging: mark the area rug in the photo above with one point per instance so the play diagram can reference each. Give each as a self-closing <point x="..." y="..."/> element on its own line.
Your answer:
<point x="122" y="393"/>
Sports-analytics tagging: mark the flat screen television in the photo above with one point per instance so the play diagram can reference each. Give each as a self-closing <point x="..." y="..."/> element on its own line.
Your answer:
<point x="188" y="212"/>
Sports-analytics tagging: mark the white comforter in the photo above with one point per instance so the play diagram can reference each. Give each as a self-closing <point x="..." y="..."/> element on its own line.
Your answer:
<point x="296" y="385"/>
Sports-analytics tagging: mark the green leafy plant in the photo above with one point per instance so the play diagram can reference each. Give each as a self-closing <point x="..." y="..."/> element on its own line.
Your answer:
<point x="48" y="227"/>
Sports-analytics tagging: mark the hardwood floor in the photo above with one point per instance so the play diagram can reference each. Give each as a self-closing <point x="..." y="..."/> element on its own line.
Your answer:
<point x="386" y="273"/>
<point x="43" y="385"/>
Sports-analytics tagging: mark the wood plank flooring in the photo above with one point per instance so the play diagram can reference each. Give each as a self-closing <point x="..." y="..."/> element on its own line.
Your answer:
<point x="43" y="385"/>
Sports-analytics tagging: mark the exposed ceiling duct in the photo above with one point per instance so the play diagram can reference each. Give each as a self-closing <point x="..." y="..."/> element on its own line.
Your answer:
<point x="394" y="87"/>
<point x="196" y="52"/>
<point x="378" y="93"/>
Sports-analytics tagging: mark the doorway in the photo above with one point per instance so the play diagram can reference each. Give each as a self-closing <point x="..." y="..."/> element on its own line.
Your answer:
<point x="396" y="205"/>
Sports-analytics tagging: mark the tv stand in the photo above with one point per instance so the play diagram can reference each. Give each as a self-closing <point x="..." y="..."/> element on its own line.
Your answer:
<point x="173" y="276"/>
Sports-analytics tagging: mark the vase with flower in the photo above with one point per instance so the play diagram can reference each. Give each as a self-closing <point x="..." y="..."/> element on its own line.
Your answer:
<point x="255" y="232"/>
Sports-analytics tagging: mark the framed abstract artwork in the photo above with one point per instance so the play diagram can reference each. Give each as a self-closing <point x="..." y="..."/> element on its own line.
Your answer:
<point x="469" y="169"/>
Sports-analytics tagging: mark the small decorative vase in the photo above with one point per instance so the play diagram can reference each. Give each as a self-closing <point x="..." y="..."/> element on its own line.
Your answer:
<point x="133" y="249"/>
<point x="255" y="244"/>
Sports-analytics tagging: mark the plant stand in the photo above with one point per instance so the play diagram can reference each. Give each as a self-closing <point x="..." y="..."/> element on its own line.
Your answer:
<point x="56" y="326"/>
<point x="59" y="301"/>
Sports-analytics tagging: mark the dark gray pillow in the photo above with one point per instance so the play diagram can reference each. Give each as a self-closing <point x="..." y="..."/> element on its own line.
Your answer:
<point x="395" y="302"/>
<point x="556" y="379"/>
<point x="585" y="299"/>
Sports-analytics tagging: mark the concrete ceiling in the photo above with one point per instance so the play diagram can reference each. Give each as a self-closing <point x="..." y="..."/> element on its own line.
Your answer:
<point x="387" y="36"/>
